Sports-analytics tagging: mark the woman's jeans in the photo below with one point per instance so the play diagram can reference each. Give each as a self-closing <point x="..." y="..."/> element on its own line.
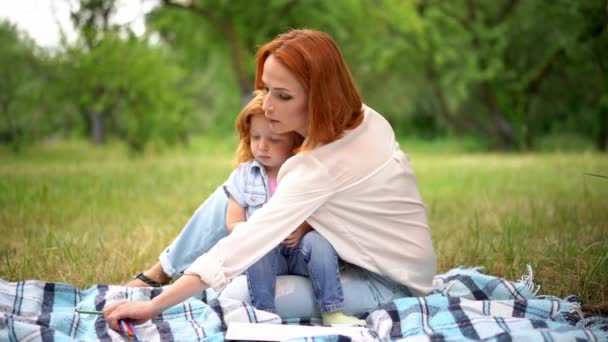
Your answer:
<point x="363" y="289"/>
<point x="312" y="257"/>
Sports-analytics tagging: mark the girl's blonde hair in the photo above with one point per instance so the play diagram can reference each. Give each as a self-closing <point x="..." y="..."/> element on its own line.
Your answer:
<point x="243" y="126"/>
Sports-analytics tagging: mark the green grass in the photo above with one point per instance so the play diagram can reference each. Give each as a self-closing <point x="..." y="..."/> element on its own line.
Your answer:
<point x="71" y="212"/>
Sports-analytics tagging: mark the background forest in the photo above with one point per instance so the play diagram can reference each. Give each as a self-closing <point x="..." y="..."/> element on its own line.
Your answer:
<point x="505" y="75"/>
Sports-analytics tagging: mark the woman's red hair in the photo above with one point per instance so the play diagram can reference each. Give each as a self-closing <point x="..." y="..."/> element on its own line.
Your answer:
<point x="243" y="126"/>
<point x="313" y="57"/>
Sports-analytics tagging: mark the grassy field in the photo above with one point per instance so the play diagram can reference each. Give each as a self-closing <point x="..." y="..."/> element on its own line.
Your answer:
<point x="70" y="212"/>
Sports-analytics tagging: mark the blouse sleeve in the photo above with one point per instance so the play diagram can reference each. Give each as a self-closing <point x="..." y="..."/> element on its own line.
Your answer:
<point x="304" y="185"/>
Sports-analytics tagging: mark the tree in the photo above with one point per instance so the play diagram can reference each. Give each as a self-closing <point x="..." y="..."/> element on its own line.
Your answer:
<point x="137" y="88"/>
<point x="92" y="19"/>
<point x="123" y="85"/>
<point x="231" y="23"/>
<point x="219" y="39"/>
<point x="20" y="85"/>
<point x="489" y="65"/>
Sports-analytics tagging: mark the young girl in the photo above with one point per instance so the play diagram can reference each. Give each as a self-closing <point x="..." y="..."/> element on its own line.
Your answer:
<point x="304" y="252"/>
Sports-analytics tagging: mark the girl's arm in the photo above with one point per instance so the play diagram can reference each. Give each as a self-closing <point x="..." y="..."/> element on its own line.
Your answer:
<point x="293" y="238"/>
<point x="235" y="214"/>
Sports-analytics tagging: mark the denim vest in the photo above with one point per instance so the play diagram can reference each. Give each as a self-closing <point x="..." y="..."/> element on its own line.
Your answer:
<point x="248" y="186"/>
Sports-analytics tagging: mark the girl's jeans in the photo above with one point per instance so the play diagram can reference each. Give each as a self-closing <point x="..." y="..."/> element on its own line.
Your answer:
<point x="312" y="257"/>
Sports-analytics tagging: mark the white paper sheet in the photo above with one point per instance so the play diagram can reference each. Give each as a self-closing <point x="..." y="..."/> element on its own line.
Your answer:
<point x="280" y="332"/>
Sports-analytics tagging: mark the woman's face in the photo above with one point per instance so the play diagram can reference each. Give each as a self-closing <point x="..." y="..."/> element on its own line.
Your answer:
<point x="285" y="100"/>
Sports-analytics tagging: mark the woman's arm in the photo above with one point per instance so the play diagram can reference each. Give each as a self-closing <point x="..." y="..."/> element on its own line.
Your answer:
<point x="235" y="214"/>
<point x="301" y="191"/>
<point x="184" y="288"/>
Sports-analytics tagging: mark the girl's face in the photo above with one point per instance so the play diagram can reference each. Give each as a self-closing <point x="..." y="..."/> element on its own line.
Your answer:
<point x="268" y="148"/>
<point x="285" y="100"/>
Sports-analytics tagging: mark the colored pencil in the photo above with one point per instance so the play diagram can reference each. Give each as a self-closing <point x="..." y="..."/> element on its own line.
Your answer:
<point x="126" y="329"/>
<point x="126" y="326"/>
<point x="90" y="312"/>
<point x="137" y="338"/>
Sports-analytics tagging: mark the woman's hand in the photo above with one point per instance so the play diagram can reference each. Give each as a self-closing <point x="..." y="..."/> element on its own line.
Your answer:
<point x="137" y="312"/>
<point x="293" y="238"/>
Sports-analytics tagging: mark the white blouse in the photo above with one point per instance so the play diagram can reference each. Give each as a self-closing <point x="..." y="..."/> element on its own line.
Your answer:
<point x="359" y="192"/>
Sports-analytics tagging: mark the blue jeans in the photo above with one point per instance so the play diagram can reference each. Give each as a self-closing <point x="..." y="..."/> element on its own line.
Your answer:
<point x="313" y="257"/>
<point x="206" y="227"/>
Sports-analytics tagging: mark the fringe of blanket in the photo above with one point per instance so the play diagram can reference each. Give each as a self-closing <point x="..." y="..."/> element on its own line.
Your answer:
<point x="573" y="316"/>
<point x="579" y="311"/>
<point x="528" y="280"/>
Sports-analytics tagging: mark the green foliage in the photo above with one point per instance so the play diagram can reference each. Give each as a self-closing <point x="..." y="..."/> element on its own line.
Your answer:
<point x="217" y="42"/>
<point x="214" y="89"/>
<point x="488" y="68"/>
<point x="92" y="18"/>
<point x="435" y="69"/>
<point x="22" y="84"/>
<point x="138" y="89"/>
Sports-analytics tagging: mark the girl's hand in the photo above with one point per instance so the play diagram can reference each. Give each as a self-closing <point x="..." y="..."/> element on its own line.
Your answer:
<point x="137" y="312"/>
<point x="293" y="238"/>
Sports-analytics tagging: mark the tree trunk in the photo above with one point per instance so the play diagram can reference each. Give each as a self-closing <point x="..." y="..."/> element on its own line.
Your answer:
<point x="11" y="134"/>
<point x="601" y="141"/>
<point x="236" y="56"/>
<point x="97" y="125"/>
<point x="502" y="127"/>
<point x="235" y="45"/>
<point x="444" y="111"/>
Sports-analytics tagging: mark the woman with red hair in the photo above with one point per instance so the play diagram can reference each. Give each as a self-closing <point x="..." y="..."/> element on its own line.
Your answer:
<point x="350" y="181"/>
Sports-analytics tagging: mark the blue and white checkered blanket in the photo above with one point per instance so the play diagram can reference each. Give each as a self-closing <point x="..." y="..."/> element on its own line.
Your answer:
<point x="468" y="305"/>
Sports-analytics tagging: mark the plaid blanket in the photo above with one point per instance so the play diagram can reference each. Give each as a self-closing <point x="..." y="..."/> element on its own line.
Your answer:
<point x="468" y="305"/>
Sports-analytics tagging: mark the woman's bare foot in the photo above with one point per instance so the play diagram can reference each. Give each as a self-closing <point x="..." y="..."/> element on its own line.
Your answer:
<point x="153" y="277"/>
